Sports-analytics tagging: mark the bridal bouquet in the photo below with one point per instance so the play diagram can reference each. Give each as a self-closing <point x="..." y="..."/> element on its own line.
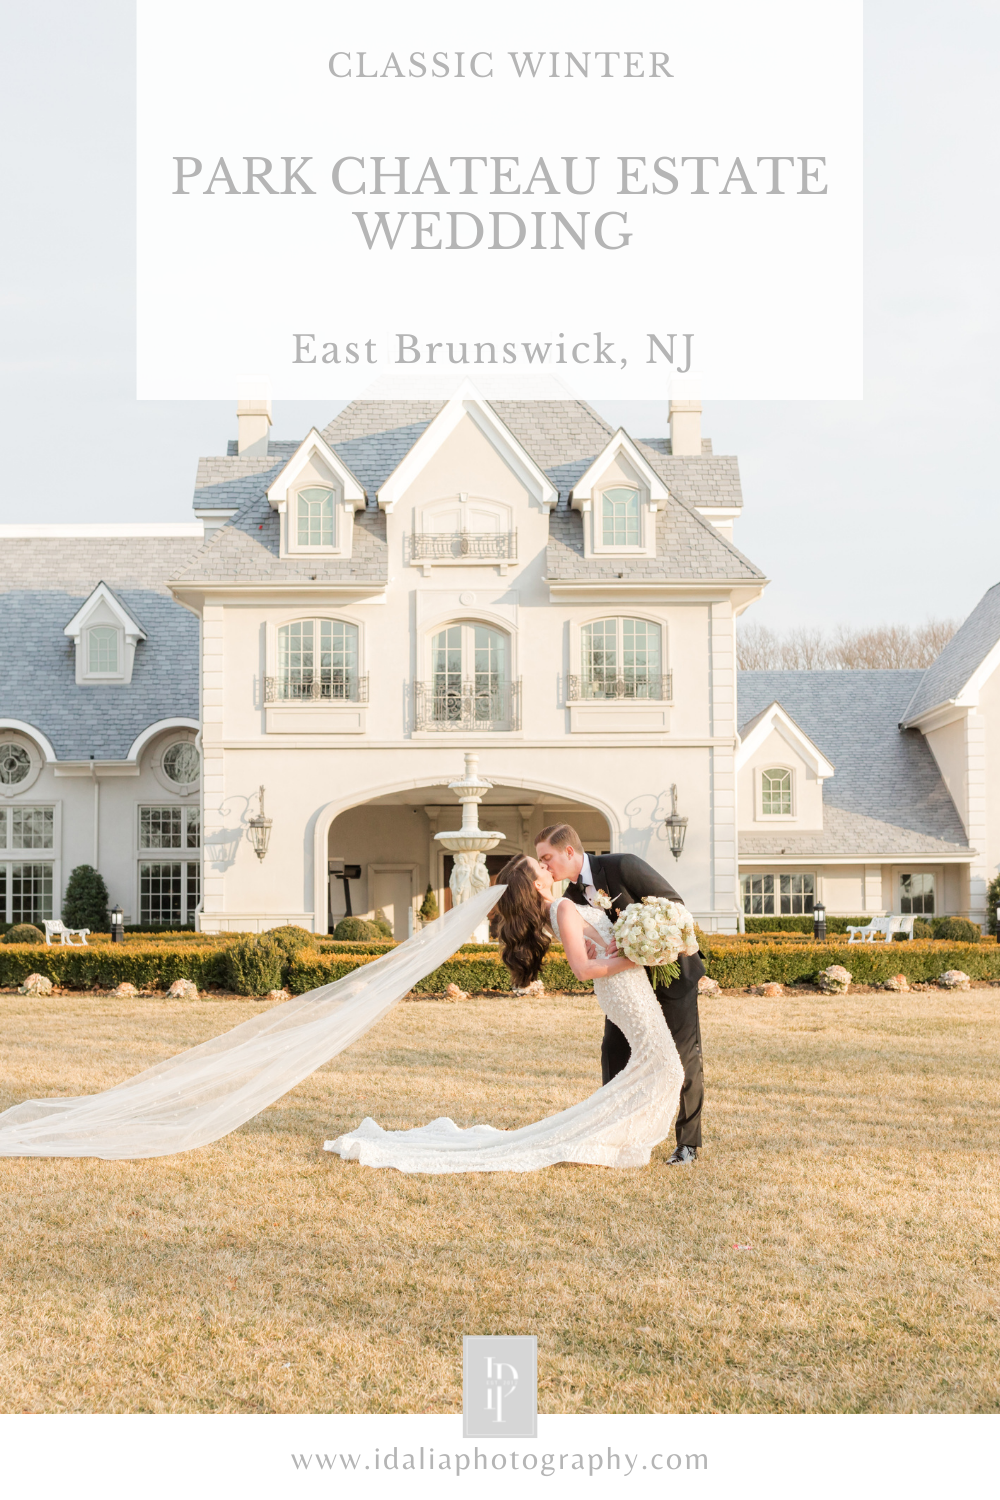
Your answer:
<point x="653" y="932"/>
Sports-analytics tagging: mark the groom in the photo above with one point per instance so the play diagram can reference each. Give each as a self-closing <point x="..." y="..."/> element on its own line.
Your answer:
<point x="626" y="878"/>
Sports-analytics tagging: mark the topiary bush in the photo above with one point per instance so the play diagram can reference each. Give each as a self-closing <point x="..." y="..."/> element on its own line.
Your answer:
<point x="429" y="907"/>
<point x="356" y="930"/>
<point x="23" y="932"/>
<point x="955" y="930"/>
<point x="381" y="923"/>
<point x="253" y="965"/>
<point x="85" y="903"/>
<point x="290" y="939"/>
<point x="992" y="902"/>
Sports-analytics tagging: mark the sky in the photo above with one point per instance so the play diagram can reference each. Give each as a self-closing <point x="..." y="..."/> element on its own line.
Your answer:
<point x="881" y="510"/>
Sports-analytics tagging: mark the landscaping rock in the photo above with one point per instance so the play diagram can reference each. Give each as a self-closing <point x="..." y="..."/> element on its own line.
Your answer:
<point x="183" y="989"/>
<point x="954" y="979"/>
<point x="277" y="996"/>
<point x="124" y="989"/>
<point x="454" y="993"/>
<point x="536" y="987"/>
<point x="36" y="984"/>
<point x="772" y="990"/>
<point x="710" y="987"/>
<point x="836" y="980"/>
<point x="898" y="983"/>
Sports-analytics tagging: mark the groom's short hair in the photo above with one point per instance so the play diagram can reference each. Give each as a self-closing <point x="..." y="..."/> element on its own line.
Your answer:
<point x="559" y="835"/>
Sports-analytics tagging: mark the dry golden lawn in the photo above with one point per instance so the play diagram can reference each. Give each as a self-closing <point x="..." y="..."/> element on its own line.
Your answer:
<point x="836" y="1249"/>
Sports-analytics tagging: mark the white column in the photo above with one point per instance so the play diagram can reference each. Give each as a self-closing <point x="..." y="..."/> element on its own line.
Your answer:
<point x="722" y="671"/>
<point x="212" y="764"/>
<point x="975" y="817"/>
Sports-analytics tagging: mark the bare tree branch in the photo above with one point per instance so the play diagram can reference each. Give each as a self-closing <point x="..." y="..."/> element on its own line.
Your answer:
<point x="847" y="649"/>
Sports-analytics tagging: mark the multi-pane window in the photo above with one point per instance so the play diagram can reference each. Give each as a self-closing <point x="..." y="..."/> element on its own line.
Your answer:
<point x="318" y="659"/>
<point x="31" y="827"/>
<point x="15" y="763"/>
<point x="314" y="512"/>
<point x="102" y="650"/>
<point x="26" y="886"/>
<point x="778" y="895"/>
<point x="916" y="895"/>
<point x="169" y="828"/>
<point x="776" y="793"/>
<point x="758" y="895"/>
<point x="169" y="892"/>
<point x="469" y="674"/>
<point x="797" y="893"/>
<point x="620" y="518"/>
<point x="621" y="658"/>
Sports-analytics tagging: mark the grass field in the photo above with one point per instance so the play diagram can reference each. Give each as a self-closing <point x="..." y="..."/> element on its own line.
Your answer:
<point x="837" y="1248"/>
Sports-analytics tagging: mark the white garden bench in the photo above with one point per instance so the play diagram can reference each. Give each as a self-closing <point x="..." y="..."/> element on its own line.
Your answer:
<point x="66" y="935"/>
<point x="881" y="927"/>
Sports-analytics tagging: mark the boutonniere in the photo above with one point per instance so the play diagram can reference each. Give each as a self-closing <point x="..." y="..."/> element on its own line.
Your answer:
<point x="603" y="900"/>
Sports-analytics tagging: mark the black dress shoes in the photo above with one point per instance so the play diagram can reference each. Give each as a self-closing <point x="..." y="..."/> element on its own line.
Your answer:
<point x="683" y="1156"/>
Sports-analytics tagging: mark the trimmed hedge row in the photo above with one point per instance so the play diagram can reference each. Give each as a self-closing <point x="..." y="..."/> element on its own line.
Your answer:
<point x="154" y="966"/>
<point x="470" y="972"/>
<point x="735" y="965"/>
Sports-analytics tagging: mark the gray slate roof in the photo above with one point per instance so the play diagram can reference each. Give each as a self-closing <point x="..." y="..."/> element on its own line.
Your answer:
<point x="373" y="437"/>
<point x="965" y="652"/>
<point x="54" y="576"/>
<point x="887" y="796"/>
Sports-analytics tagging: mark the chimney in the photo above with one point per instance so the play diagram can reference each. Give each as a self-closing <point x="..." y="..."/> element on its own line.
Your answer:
<point x="253" y="412"/>
<point x="685" y="428"/>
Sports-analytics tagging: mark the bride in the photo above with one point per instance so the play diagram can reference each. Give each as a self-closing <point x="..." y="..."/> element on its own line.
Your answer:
<point x="615" y="1127"/>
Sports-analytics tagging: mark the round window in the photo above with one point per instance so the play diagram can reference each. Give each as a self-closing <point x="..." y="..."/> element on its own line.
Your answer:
<point x="15" y="763"/>
<point x="182" y="763"/>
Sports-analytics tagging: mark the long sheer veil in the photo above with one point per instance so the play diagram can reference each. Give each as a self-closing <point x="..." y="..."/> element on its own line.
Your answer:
<point x="204" y="1093"/>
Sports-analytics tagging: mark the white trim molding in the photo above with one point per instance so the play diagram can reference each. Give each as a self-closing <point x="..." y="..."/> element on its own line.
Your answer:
<point x="774" y="718"/>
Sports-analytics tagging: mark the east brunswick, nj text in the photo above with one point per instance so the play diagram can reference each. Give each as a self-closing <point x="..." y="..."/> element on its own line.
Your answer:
<point x="408" y="349"/>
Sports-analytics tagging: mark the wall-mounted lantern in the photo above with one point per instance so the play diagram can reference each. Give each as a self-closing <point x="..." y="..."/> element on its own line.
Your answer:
<point x="117" y="925"/>
<point x="676" y="826"/>
<point x="260" y="829"/>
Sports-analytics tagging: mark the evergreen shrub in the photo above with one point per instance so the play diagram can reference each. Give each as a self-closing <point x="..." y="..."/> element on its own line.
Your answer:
<point x="290" y="938"/>
<point x="429" y="907"/>
<point x="955" y="930"/>
<point x="85" y="903"/>
<point x="356" y="930"/>
<point x="992" y="902"/>
<point x="23" y="932"/>
<point x="381" y="922"/>
<point x="253" y="965"/>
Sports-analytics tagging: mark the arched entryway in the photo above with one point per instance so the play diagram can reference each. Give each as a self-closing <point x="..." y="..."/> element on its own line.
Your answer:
<point x="389" y="840"/>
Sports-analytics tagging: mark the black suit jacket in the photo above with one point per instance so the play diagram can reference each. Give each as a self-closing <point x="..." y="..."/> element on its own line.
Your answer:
<point x="627" y="878"/>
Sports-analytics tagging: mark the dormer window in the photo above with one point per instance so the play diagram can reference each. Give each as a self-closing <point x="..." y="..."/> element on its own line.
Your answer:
<point x="620" y="518"/>
<point x="105" y="634"/>
<point x="102" y="651"/>
<point x="776" y="793"/>
<point x="315" y="518"/>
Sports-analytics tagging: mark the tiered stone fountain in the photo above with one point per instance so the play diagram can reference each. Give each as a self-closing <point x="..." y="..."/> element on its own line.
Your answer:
<point x="469" y="844"/>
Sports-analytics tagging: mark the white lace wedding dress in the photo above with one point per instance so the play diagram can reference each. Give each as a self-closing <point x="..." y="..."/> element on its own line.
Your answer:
<point x="616" y="1127"/>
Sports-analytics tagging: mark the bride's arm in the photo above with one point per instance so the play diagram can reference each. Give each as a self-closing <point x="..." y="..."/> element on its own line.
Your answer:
<point x="571" y="932"/>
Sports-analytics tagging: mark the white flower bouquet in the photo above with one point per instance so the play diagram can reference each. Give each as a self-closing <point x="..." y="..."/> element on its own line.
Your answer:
<point x="654" y="932"/>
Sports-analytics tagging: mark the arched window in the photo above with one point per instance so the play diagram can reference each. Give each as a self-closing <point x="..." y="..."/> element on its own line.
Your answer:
<point x="622" y="658"/>
<point x="776" y="793"/>
<point x="314" y="516"/>
<point x="102" y="651"/>
<point x="620" y="518"/>
<point x="317" y="660"/>
<point x="470" y="686"/>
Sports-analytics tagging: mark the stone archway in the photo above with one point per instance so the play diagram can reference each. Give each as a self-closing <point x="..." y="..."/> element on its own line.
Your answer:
<point x="391" y="837"/>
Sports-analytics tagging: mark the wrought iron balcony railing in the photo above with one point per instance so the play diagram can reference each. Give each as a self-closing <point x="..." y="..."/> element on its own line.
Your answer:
<point x="443" y="546"/>
<point x="467" y="707"/>
<point x="659" y="689"/>
<point x="325" y="687"/>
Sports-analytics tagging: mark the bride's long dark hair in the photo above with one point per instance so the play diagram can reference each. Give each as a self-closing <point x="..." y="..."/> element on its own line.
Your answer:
<point x="521" y="924"/>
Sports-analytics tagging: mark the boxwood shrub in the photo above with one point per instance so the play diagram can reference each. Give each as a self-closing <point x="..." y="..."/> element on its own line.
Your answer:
<point x="735" y="964"/>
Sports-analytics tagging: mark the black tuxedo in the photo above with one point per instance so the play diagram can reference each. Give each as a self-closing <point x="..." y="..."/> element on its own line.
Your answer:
<point x="626" y="878"/>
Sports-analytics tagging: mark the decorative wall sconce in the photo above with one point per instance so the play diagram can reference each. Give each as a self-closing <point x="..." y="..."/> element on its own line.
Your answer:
<point x="676" y="826"/>
<point x="260" y="829"/>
